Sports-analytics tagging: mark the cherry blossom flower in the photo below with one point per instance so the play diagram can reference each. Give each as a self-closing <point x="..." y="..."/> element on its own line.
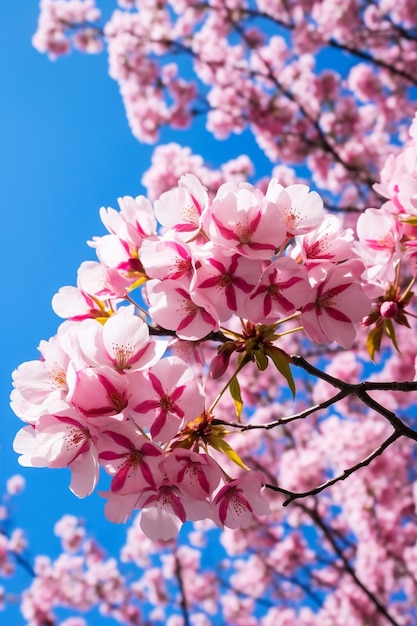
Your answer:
<point x="239" y="500"/>
<point x="64" y="440"/>
<point x="89" y="298"/>
<point x="301" y="209"/>
<point x="167" y="257"/>
<point x="326" y="243"/>
<point x="167" y="396"/>
<point x="162" y="514"/>
<point x="171" y="306"/>
<point x="99" y="393"/>
<point x="132" y="459"/>
<point x="379" y="235"/>
<point x="122" y="343"/>
<point x="134" y="223"/>
<point x="243" y="220"/>
<point x="281" y="290"/>
<point x="338" y="303"/>
<point x="40" y="386"/>
<point x="183" y="208"/>
<point x="196" y="474"/>
<point x="222" y="282"/>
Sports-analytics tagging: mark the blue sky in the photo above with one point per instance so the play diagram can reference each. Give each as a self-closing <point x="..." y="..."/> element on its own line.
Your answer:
<point x="66" y="150"/>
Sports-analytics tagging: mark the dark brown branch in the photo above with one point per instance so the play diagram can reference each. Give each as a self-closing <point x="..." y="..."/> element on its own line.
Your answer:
<point x="347" y="472"/>
<point x="183" y="597"/>
<point x="285" y="420"/>
<point x="359" y="390"/>
<point x="363" y="54"/>
<point x="348" y="568"/>
<point x="20" y="559"/>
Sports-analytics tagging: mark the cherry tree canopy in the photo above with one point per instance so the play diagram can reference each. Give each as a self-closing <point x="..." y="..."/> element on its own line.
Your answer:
<point x="241" y="355"/>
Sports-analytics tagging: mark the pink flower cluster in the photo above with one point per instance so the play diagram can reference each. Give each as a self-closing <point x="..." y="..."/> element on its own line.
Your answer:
<point x="56" y="16"/>
<point x="13" y="543"/>
<point x="104" y="394"/>
<point x="249" y="64"/>
<point x="386" y="244"/>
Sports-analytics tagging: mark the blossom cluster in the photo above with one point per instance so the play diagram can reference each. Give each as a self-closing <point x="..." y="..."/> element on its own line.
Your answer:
<point x="107" y="393"/>
<point x="54" y="20"/>
<point x="252" y="64"/>
<point x="387" y="244"/>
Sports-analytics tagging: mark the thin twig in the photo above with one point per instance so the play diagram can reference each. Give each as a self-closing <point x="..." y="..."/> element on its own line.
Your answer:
<point x="359" y="390"/>
<point x="292" y="495"/>
<point x="349" y="569"/>
<point x="284" y="420"/>
<point x="183" y="597"/>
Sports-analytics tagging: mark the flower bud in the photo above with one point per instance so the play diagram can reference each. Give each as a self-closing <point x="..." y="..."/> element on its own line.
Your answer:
<point x="389" y="309"/>
<point x="219" y="365"/>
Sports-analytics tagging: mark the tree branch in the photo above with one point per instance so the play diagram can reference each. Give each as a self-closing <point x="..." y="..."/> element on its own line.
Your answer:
<point x="349" y="569"/>
<point x="347" y="472"/>
<point x="359" y="390"/>
<point x="183" y="597"/>
<point x="285" y="420"/>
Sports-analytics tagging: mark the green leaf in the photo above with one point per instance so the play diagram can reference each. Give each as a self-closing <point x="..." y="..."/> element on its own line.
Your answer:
<point x="373" y="341"/>
<point x="236" y="395"/>
<point x="222" y="446"/>
<point x="261" y="360"/>
<point x="390" y="331"/>
<point x="410" y="220"/>
<point x="402" y="320"/>
<point x="280" y="360"/>
<point x="405" y="299"/>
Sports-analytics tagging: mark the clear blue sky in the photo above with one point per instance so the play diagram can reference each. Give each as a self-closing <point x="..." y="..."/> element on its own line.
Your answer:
<point x="65" y="150"/>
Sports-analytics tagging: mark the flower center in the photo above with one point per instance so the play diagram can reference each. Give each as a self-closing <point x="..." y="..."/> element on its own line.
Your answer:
<point x="122" y="354"/>
<point x="117" y="400"/>
<point x="166" y="403"/>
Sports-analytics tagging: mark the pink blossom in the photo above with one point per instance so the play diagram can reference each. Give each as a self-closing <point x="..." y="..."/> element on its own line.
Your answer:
<point x="300" y="208"/>
<point x="183" y="208"/>
<point x="243" y="220"/>
<point x="338" y="303"/>
<point x="239" y="500"/>
<point x="326" y="243"/>
<point x="379" y="235"/>
<point x="99" y="393"/>
<point x="15" y="484"/>
<point x="166" y="397"/>
<point x="222" y="283"/>
<point x="167" y="257"/>
<point x="162" y="514"/>
<point x="122" y="343"/>
<point x="89" y="299"/>
<point x="134" y="223"/>
<point x="63" y="440"/>
<point x="281" y="290"/>
<point x="171" y="306"/>
<point x="40" y="386"/>
<point x="71" y="532"/>
<point x="133" y="460"/>
<point x="196" y="474"/>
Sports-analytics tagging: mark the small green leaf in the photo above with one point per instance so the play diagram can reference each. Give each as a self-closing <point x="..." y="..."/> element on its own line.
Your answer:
<point x="390" y="331"/>
<point x="236" y="395"/>
<point x="405" y="299"/>
<point x="410" y="220"/>
<point x="402" y="320"/>
<point x="261" y="360"/>
<point x="280" y="360"/>
<point x="222" y="446"/>
<point x="373" y="341"/>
